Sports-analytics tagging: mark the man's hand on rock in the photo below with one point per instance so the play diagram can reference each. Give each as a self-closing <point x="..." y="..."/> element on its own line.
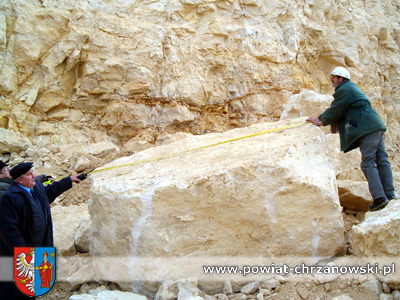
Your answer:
<point x="315" y="121"/>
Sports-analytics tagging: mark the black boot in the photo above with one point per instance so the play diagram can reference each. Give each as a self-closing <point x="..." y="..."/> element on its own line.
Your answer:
<point x="378" y="204"/>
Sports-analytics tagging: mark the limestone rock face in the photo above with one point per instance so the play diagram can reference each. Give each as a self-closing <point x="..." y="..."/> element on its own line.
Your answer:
<point x="193" y="66"/>
<point x="11" y="141"/>
<point x="379" y="234"/>
<point x="306" y="103"/>
<point x="269" y="195"/>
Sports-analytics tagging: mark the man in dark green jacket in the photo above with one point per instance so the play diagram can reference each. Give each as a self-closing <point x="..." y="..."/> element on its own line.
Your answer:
<point x="360" y="126"/>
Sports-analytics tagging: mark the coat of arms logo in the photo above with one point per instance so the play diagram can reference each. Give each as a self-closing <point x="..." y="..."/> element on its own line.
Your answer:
<point x="34" y="269"/>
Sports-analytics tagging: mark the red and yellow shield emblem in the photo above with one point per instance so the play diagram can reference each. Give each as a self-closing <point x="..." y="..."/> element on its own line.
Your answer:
<point x="34" y="269"/>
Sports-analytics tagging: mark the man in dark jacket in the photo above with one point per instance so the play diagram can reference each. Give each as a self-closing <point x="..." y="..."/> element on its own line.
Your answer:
<point x="25" y="216"/>
<point x="360" y="126"/>
<point x="5" y="178"/>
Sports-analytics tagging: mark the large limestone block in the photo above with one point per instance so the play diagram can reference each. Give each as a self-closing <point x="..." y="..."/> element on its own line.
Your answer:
<point x="379" y="233"/>
<point x="273" y="194"/>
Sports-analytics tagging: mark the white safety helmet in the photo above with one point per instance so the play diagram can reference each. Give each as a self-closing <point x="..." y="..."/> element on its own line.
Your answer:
<point x="342" y="72"/>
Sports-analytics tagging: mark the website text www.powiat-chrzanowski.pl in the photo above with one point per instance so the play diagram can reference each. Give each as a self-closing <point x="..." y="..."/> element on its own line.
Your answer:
<point x="301" y="269"/>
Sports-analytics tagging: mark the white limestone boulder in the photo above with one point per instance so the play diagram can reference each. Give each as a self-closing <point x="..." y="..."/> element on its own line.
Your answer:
<point x="273" y="194"/>
<point x="249" y="183"/>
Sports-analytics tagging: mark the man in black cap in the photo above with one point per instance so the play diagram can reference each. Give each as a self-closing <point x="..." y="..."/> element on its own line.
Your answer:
<point x="25" y="216"/>
<point x="6" y="179"/>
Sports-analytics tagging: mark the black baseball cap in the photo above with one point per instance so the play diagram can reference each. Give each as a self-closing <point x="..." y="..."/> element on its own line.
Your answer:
<point x="20" y="169"/>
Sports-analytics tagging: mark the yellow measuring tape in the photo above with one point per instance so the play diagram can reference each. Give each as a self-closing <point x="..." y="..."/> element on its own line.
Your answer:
<point x="191" y="150"/>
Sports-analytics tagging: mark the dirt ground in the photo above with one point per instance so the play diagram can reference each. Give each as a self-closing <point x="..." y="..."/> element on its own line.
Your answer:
<point x="79" y="194"/>
<point x="288" y="290"/>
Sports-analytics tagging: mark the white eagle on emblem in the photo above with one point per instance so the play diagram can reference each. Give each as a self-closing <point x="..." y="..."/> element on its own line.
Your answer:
<point x="26" y="270"/>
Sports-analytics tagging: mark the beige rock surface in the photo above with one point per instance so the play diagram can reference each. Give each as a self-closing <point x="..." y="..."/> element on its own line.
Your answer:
<point x="180" y="289"/>
<point x="306" y="103"/>
<point x="75" y="271"/>
<point x="83" y="235"/>
<point x="13" y="142"/>
<point x="66" y="221"/>
<point x="354" y="195"/>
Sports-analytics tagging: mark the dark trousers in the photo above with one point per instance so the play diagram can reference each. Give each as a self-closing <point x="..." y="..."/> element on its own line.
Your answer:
<point x="9" y="291"/>
<point x="376" y="166"/>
